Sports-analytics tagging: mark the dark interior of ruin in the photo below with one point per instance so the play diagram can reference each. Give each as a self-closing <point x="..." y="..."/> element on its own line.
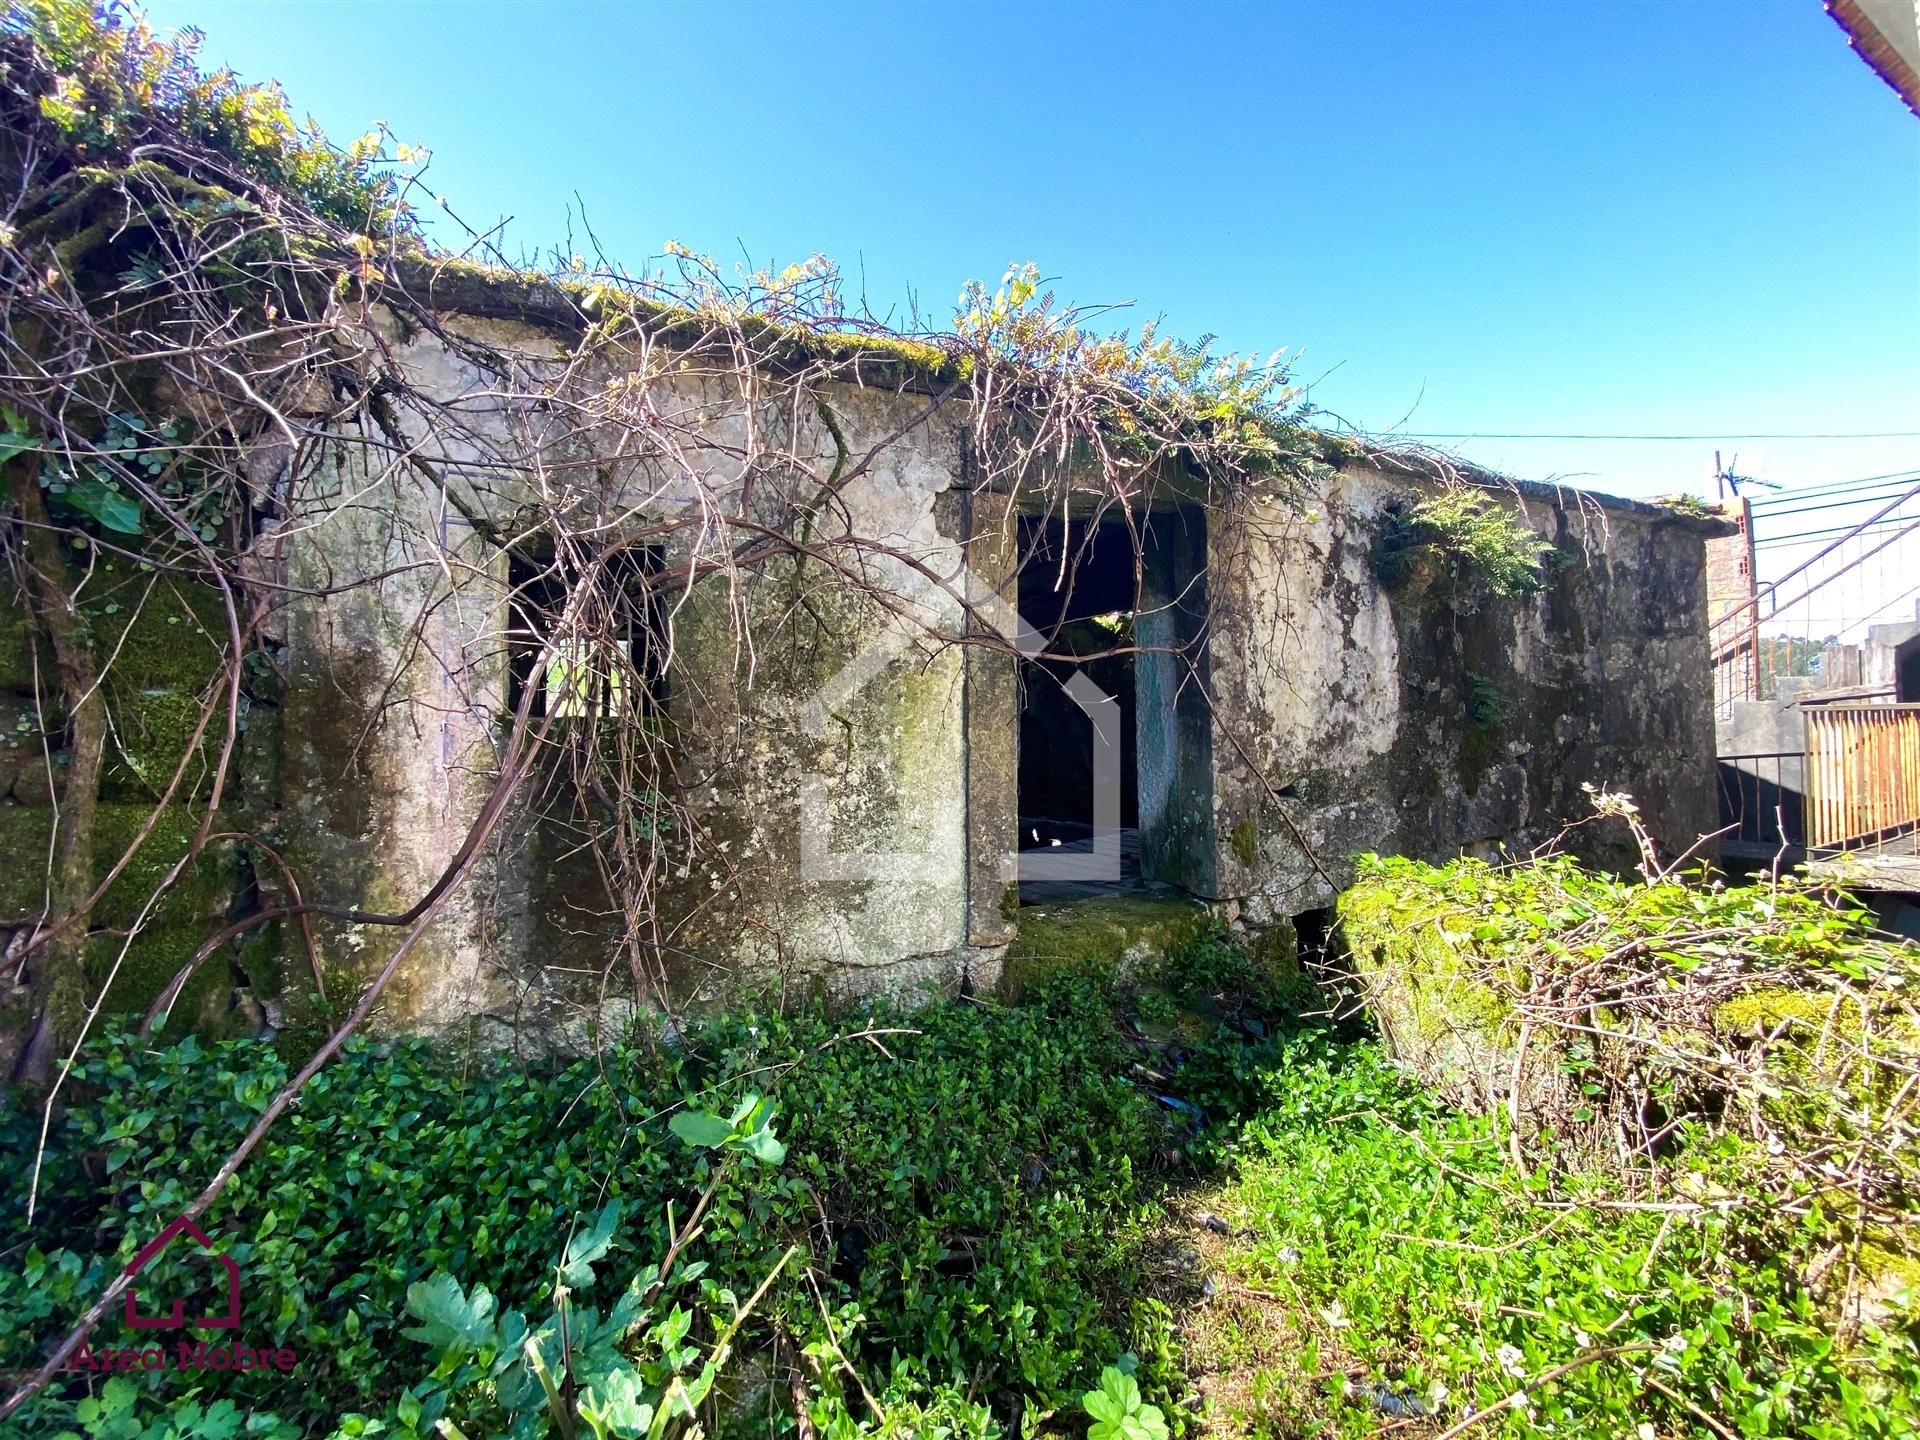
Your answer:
<point x="1078" y="590"/>
<point x="1089" y="591"/>
<point x="622" y="614"/>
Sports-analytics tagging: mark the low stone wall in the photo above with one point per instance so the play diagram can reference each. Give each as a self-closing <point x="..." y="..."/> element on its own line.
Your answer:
<point x="1615" y="1024"/>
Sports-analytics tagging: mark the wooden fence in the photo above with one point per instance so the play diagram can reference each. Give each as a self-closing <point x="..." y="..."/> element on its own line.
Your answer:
<point x="1862" y="775"/>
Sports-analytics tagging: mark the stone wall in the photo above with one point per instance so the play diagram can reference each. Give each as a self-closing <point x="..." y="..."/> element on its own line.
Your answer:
<point x="162" y="631"/>
<point x="820" y="742"/>
<point x="852" y="784"/>
<point x="1425" y="722"/>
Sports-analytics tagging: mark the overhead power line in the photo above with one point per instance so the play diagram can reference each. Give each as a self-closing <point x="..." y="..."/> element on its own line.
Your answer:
<point x="1807" y="537"/>
<point x="1793" y="494"/>
<point x="1847" y="501"/>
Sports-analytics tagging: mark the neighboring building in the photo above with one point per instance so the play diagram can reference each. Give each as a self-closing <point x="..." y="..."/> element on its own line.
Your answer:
<point x="1817" y="709"/>
<point x="1887" y="35"/>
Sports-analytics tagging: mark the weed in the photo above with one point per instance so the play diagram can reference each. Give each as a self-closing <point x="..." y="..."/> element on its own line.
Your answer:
<point x="1413" y="1273"/>
<point x="956" y="1234"/>
<point x="1470" y="536"/>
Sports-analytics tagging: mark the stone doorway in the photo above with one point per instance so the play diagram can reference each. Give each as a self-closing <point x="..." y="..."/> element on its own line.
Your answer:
<point x="1137" y="613"/>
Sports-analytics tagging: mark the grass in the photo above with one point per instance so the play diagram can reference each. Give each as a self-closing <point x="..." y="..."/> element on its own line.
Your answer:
<point x="1371" y="1260"/>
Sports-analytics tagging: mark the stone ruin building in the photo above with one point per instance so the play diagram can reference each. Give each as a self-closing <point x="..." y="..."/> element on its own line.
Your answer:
<point x="871" y="794"/>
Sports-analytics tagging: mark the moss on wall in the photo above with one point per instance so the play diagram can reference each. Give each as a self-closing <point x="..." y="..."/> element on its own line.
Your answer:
<point x="1274" y="951"/>
<point x="185" y="917"/>
<point x="161" y="638"/>
<point x="1103" y="932"/>
<point x="566" y="308"/>
<point x="164" y="641"/>
<point x="1427" y="718"/>
<point x="19" y="642"/>
<point x="1246" y="846"/>
<point x="1762" y="1013"/>
<point x="1814" y="1036"/>
<point x="1413" y="954"/>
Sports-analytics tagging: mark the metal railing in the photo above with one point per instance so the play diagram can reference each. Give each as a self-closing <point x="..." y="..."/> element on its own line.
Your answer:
<point x="1862" y="570"/>
<point x="1862" y="774"/>
<point x="1761" y="806"/>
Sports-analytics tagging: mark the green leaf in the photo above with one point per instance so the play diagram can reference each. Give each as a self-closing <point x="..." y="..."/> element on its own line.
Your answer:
<point x="1101" y="1407"/>
<point x="1118" y="1412"/>
<point x="451" y="1319"/>
<point x="696" y="1127"/>
<point x="115" y="511"/>
<point x="220" y="1421"/>
<point x="576" y="1270"/>
<point x="763" y="1146"/>
<point x="745" y="1112"/>
<point x="616" y="1405"/>
<point x="672" y="1330"/>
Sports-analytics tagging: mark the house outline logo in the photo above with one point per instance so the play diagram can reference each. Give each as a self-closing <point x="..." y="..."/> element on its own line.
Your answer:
<point x="178" y="1320"/>
<point x="819" y="861"/>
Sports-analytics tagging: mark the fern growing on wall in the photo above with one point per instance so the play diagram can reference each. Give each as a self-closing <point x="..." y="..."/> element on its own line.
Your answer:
<point x="1465" y="533"/>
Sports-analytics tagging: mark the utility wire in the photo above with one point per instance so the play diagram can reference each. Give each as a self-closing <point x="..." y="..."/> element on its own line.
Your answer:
<point x="1864" y="497"/>
<point x="1829" y="487"/>
<point x="1800" y="536"/>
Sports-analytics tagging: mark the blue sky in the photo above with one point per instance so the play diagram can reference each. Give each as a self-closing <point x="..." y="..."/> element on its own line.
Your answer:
<point x="1481" y="218"/>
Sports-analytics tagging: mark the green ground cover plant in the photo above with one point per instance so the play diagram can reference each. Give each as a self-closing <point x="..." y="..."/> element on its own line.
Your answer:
<point x="956" y="1186"/>
<point x="1389" y="1267"/>
<point x="958" y="1221"/>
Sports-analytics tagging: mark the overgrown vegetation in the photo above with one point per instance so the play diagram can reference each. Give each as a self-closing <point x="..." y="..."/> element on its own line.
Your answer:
<point x="1465" y="535"/>
<point x="964" y="1185"/>
<point x="1122" y="1203"/>
<point x="205" y="304"/>
<point x="118" y="86"/>
<point x="941" y="1223"/>
<point x="1623" y="1022"/>
<point x="151" y="200"/>
<point x="1387" y="1268"/>
<point x="1488" y="706"/>
<point x="1730" y="1066"/>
